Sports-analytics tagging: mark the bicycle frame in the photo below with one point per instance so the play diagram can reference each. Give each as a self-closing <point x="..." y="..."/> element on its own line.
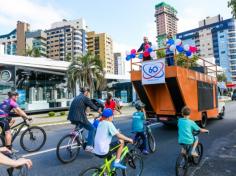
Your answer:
<point x="18" y="130"/>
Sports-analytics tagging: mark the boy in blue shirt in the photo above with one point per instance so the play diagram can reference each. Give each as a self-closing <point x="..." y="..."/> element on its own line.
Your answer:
<point x="138" y="125"/>
<point x="186" y="127"/>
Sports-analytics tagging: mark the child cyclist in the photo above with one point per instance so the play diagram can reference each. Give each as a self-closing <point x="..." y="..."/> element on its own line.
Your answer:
<point x="138" y="125"/>
<point x="105" y="131"/>
<point x="186" y="127"/>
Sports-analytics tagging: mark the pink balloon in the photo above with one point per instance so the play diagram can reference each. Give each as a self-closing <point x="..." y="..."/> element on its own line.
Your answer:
<point x="133" y="51"/>
<point x="146" y="54"/>
<point x="147" y="46"/>
<point x="193" y="49"/>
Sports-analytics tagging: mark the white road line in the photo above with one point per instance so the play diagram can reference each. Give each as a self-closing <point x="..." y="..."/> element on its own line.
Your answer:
<point x="199" y="167"/>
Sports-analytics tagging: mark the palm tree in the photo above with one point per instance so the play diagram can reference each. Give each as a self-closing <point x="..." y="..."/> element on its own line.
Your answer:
<point x="33" y="52"/>
<point x="232" y="4"/>
<point x="88" y="71"/>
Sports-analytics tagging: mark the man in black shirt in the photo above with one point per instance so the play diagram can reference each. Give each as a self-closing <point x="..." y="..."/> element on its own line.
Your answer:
<point x="142" y="47"/>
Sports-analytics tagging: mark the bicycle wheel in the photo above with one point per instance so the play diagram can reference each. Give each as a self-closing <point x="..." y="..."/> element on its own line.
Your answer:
<point x="134" y="164"/>
<point x="68" y="148"/>
<point x="199" y="150"/>
<point x="181" y="166"/>
<point x="92" y="171"/>
<point x="151" y="141"/>
<point x="33" y="139"/>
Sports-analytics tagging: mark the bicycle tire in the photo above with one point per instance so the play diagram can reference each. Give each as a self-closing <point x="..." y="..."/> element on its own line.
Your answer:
<point x="73" y="157"/>
<point x="180" y="165"/>
<point x="92" y="171"/>
<point x="32" y="138"/>
<point x="199" y="150"/>
<point x="151" y="141"/>
<point x="131" y="162"/>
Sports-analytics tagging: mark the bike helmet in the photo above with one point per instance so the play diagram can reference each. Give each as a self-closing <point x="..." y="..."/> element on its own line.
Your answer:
<point x="107" y="113"/>
<point x="139" y="105"/>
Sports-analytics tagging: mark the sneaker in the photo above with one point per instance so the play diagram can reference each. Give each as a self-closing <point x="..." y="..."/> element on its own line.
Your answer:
<point x="145" y="152"/>
<point x="118" y="165"/>
<point x="89" y="148"/>
<point x="194" y="154"/>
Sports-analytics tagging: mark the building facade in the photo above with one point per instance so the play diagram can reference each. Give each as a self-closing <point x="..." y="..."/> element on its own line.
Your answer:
<point x="101" y="45"/>
<point x="14" y="42"/>
<point x="67" y="39"/>
<point x="37" y="39"/>
<point x="216" y="38"/>
<point x="166" y="22"/>
<point x="119" y="64"/>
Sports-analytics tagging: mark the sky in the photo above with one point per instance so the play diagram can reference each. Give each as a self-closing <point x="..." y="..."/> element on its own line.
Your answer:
<point x="126" y="21"/>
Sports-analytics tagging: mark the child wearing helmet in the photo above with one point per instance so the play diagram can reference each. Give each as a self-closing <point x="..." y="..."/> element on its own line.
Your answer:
<point x="138" y="125"/>
<point x="105" y="131"/>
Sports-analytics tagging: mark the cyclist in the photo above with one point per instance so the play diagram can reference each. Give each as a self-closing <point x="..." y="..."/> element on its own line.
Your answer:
<point x="4" y="160"/>
<point x="186" y="127"/>
<point x="77" y="115"/>
<point x="105" y="131"/>
<point x="138" y="125"/>
<point x="5" y="108"/>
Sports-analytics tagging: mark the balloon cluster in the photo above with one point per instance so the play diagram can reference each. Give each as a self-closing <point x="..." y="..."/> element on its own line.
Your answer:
<point x="177" y="45"/>
<point x="149" y="51"/>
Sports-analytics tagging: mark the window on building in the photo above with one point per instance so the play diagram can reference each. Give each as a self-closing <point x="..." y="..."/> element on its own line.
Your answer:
<point x="222" y="52"/>
<point x="67" y="30"/>
<point x="209" y="49"/>
<point x="222" y="36"/>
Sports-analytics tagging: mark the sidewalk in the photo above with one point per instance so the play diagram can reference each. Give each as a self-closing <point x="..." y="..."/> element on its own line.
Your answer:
<point x="44" y="119"/>
<point x="222" y="159"/>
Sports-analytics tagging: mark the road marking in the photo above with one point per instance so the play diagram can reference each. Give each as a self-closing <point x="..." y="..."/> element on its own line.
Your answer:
<point x="199" y="167"/>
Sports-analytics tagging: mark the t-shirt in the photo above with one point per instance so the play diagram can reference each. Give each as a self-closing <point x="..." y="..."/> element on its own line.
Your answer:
<point x="105" y="131"/>
<point x="6" y="106"/>
<point x="112" y="105"/>
<point x="138" y="120"/>
<point x="185" y="130"/>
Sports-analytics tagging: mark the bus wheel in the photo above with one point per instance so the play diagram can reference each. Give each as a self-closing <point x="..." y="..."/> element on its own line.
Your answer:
<point x="203" y="122"/>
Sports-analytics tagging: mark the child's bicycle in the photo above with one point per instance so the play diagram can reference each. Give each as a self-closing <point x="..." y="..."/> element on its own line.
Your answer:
<point x="185" y="160"/>
<point x="130" y="159"/>
<point x="150" y="138"/>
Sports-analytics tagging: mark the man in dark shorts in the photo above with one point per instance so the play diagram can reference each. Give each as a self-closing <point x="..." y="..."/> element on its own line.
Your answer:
<point x="5" y="108"/>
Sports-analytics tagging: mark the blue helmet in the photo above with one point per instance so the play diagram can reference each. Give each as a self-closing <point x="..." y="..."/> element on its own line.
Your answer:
<point x="107" y="113"/>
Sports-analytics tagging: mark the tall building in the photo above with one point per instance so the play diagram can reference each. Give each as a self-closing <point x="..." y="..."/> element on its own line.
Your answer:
<point x="101" y="45"/>
<point x="14" y="42"/>
<point x="119" y="64"/>
<point x="67" y="39"/>
<point x="166" y="22"/>
<point x="216" y="38"/>
<point x="37" y="39"/>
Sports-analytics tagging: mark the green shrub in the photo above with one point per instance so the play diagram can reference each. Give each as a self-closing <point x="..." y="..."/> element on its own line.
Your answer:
<point x="62" y="113"/>
<point x="51" y="114"/>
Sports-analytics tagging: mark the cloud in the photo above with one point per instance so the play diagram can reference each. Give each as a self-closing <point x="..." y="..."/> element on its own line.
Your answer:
<point x="37" y="15"/>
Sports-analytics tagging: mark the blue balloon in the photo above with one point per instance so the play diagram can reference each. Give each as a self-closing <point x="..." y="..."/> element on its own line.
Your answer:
<point x="128" y="57"/>
<point x="188" y="53"/>
<point x="170" y="42"/>
<point x="140" y="56"/>
<point x="180" y="49"/>
<point x="150" y="50"/>
<point x="133" y="56"/>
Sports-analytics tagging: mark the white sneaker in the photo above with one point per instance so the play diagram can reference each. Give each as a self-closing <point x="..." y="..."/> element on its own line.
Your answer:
<point x="89" y="148"/>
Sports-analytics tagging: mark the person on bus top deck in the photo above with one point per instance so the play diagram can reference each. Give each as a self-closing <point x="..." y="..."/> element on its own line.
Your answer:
<point x="186" y="127"/>
<point x="5" y="108"/>
<point x="142" y="48"/>
<point x="169" y="54"/>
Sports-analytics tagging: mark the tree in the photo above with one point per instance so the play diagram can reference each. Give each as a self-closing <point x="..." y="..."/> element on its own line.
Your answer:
<point x="221" y="77"/>
<point x="232" y="5"/>
<point x="183" y="61"/>
<point x="88" y="71"/>
<point x="33" y="52"/>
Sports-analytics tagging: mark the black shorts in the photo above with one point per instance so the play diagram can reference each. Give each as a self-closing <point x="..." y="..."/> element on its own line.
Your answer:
<point x="4" y="124"/>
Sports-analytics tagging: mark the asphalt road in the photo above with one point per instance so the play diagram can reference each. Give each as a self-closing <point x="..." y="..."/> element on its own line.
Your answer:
<point x="160" y="163"/>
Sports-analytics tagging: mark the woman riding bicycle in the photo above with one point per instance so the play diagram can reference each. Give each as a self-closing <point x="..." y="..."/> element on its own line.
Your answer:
<point x="5" y="108"/>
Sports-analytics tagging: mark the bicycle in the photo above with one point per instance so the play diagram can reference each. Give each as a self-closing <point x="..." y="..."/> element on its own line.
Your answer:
<point x="130" y="159"/>
<point x="29" y="135"/>
<point x="185" y="160"/>
<point x="71" y="143"/>
<point x="150" y="138"/>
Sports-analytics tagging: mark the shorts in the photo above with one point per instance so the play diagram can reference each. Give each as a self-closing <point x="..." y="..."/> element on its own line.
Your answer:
<point x="113" y="148"/>
<point x="4" y="124"/>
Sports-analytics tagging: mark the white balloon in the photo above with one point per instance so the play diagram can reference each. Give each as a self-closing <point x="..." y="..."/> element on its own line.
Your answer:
<point x="127" y="53"/>
<point x="178" y="42"/>
<point x="172" y="48"/>
<point x="154" y="47"/>
<point x="190" y="57"/>
<point x="153" y="54"/>
<point x="186" y="47"/>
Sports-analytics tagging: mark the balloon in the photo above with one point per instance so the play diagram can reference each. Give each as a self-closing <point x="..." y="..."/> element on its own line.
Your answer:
<point x="133" y="56"/>
<point x="150" y="50"/>
<point x="193" y="49"/>
<point x="140" y="56"/>
<point x="127" y="53"/>
<point x="172" y="48"/>
<point x="146" y="54"/>
<point x="170" y="42"/>
<point x="147" y="46"/>
<point x="180" y="49"/>
<point x="188" y="53"/>
<point x="128" y="57"/>
<point x="190" y="57"/>
<point x="186" y="47"/>
<point x="153" y="55"/>
<point x="154" y="47"/>
<point x="133" y="51"/>
<point x="178" y="42"/>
